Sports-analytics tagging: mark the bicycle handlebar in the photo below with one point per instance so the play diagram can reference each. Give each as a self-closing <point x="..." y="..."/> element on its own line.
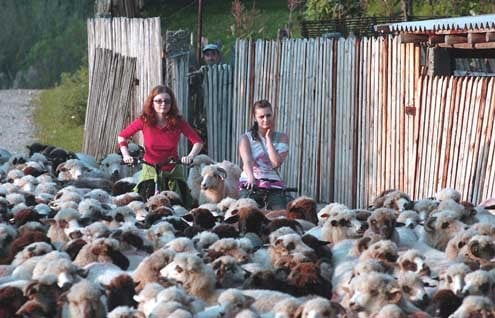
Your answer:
<point x="137" y="160"/>
<point x="256" y="188"/>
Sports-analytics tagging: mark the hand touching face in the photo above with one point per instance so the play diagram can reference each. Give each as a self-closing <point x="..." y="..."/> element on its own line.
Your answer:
<point x="264" y="117"/>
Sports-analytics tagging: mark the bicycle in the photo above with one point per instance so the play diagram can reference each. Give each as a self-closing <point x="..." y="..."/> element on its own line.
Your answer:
<point x="160" y="180"/>
<point x="265" y="196"/>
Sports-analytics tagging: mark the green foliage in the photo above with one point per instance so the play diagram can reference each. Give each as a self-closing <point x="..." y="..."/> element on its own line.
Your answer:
<point x="331" y="9"/>
<point x="40" y="39"/>
<point x="248" y="23"/>
<point x="59" y="116"/>
<point x="431" y="8"/>
<point x="218" y="18"/>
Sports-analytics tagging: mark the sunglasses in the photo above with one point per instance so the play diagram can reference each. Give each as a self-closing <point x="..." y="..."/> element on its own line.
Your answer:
<point x="164" y="101"/>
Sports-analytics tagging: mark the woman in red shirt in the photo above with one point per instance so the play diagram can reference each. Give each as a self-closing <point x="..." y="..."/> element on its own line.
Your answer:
<point x="162" y="126"/>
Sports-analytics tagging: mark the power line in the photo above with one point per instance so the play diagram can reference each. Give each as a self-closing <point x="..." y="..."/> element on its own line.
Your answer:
<point x="180" y="10"/>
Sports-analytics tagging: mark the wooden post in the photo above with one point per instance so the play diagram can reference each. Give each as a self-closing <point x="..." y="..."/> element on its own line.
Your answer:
<point x="200" y="29"/>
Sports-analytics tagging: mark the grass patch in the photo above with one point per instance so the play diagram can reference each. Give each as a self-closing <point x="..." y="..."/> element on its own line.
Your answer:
<point x="59" y="116"/>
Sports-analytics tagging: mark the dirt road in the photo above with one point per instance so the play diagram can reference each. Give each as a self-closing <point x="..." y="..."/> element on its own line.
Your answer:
<point x="16" y="119"/>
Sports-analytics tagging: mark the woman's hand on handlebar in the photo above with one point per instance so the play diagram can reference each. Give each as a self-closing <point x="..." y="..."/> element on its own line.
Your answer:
<point x="250" y="183"/>
<point x="187" y="160"/>
<point x="127" y="159"/>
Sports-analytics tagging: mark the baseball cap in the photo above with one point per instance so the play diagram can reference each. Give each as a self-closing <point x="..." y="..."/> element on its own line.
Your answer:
<point x="211" y="46"/>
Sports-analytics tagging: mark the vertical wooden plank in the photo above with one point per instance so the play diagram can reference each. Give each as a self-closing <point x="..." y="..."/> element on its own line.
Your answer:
<point x="466" y="114"/>
<point x="487" y="144"/>
<point x="480" y="162"/>
<point x="477" y="105"/>
<point x="446" y="136"/>
<point x="490" y="173"/>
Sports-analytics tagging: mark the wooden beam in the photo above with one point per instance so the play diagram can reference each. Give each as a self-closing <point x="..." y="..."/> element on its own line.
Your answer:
<point x="490" y="36"/>
<point x="486" y="45"/>
<point x="476" y="37"/>
<point x="413" y="38"/>
<point x="435" y="39"/>
<point x="454" y="39"/>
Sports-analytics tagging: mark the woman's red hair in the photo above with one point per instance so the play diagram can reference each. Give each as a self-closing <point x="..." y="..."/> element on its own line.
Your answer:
<point x="149" y="115"/>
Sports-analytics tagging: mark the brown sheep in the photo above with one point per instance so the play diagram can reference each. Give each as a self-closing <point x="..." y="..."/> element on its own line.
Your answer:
<point x="11" y="299"/>
<point x="443" y="303"/>
<point x="381" y="225"/>
<point x="392" y="199"/>
<point x="121" y="292"/>
<point x="148" y="270"/>
<point x="249" y="219"/>
<point x="102" y="250"/>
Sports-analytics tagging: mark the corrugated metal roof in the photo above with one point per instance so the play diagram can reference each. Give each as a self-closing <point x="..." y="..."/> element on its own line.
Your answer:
<point x="486" y="21"/>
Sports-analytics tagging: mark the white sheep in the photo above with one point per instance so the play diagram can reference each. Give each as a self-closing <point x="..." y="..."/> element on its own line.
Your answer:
<point x="147" y="297"/>
<point x="219" y="181"/>
<point x="479" y="283"/>
<point x="194" y="178"/>
<point x="475" y="306"/>
<point x="83" y="300"/>
<point x="197" y="277"/>
<point x="125" y="312"/>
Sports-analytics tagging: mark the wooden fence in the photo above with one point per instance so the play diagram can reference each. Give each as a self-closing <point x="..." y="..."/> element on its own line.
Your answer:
<point x="177" y="68"/>
<point x="361" y="119"/>
<point x="137" y="38"/>
<point x="112" y="81"/>
<point x="217" y="84"/>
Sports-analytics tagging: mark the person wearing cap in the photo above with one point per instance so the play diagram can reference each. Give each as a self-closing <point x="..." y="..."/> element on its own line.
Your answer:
<point x="211" y="54"/>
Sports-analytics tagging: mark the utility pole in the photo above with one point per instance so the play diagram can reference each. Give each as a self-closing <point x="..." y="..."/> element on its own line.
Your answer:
<point x="200" y="28"/>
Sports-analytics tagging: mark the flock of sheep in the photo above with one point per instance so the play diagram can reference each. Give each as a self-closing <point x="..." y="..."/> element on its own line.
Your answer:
<point x="76" y="242"/>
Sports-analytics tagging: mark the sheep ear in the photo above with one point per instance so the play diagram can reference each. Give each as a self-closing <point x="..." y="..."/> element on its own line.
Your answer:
<point x="400" y="224"/>
<point x="338" y="308"/>
<point x="395" y="295"/>
<point x="119" y="259"/>
<point x="362" y="215"/>
<point x="31" y="289"/>
<point x="362" y="244"/>
<point x="139" y="314"/>
<point x="188" y="217"/>
<point x="474" y="248"/>
<point x="82" y="272"/>
<point x="84" y="221"/>
<point x="233" y="219"/>
<point x="299" y="311"/>
<point x="427" y="284"/>
<point x="48" y="221"/>
<point x="60" y="167"/>
<point x="429" y="225"/>
<point x="62" y="298"/>
<point x="249" y="301"/>
<point x="223" y="173"/>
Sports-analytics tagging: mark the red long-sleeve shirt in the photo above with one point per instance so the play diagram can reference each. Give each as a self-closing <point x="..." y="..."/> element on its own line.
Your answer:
<point x="161" y="143"/>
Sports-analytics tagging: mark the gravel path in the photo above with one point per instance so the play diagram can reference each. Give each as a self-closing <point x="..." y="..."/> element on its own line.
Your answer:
<point x="16" y="119"/>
